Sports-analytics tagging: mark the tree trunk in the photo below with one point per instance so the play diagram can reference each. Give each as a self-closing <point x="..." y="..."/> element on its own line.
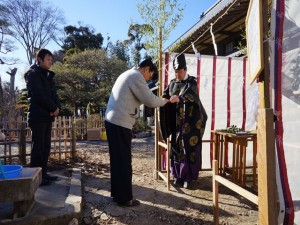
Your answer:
<point x="1" y="90"/>
<point x="12" y="74"/>
<point x="12" y="103"/>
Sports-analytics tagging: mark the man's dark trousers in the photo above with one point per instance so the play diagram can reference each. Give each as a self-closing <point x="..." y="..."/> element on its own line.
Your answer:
<point x="119" y="141"/>
<point x="41" y="145"/>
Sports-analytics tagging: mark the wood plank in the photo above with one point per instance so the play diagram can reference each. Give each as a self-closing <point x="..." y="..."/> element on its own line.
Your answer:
<point x="164" y="145"/>
<point x="238" y="189"/>
<point x="162" y="176"/>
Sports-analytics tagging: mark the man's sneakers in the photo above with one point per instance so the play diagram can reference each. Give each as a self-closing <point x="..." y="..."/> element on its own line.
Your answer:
<point x="47" y="180"/>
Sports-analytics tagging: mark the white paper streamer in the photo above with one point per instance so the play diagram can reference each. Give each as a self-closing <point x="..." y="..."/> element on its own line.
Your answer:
<point x="198" y="55"/>
<point x="213" y="39"/>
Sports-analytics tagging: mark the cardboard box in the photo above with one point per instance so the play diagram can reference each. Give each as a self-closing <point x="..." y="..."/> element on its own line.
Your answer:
<point x="93" y="134"/>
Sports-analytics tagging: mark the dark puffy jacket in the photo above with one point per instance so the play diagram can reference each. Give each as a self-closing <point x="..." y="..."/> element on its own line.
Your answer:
<point x="42" y="95"/>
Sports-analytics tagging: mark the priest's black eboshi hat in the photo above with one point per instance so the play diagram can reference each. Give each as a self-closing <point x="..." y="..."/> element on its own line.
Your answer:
<point x="179" y="62"/>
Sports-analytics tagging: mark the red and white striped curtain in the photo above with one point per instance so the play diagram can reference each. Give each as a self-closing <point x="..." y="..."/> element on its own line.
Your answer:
<point x="225" y="93"/>
<point x="285" y="80"/>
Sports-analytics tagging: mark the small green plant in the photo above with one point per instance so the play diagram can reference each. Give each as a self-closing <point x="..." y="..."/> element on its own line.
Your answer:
<point x="140" y="125"/>
<point x="232" y="129"/>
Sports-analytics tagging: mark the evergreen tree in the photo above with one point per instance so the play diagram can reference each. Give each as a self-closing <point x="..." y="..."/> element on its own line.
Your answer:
<point x="82" y="37"/>
<point x="86" y="77"/>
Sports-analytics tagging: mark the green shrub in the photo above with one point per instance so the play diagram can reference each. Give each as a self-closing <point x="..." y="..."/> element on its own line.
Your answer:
<point x="140" y="125"/>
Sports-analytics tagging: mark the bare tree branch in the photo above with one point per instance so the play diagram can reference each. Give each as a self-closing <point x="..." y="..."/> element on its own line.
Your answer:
<point x="6" y="45"/>
<point x="34" y="23"/>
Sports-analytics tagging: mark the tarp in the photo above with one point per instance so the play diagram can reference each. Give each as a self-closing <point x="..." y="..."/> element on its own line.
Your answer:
<point x="285" y="81"/>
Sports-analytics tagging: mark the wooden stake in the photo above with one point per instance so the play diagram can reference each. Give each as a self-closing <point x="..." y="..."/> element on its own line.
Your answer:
<point x="215" y="192"/>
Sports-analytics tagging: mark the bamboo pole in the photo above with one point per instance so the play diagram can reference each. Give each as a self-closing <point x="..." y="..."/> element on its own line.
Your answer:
<point x="73" y="140"/>
<point x="160" y="63"/>
<point x="157" y="152"/>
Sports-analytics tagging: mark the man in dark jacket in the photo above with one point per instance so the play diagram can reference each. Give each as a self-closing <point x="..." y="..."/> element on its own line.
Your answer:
<point x="43" y="107"/>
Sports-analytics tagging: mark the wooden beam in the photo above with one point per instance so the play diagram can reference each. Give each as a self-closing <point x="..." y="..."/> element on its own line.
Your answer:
<point x="267" y="195"/>
<point x="238" y="189"/>
<point x="229" y="33"/>
<point x="266" y="160"/>
<point x="264" y="78"/>
<point x="215" y="192"/>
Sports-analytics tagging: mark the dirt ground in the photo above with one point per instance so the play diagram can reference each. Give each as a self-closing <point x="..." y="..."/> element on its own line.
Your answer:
<point x="159" y="206"/>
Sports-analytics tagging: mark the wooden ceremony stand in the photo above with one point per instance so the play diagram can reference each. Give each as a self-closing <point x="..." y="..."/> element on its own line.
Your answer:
<point x="237" y="181"/>
<point x="239" y="148"/>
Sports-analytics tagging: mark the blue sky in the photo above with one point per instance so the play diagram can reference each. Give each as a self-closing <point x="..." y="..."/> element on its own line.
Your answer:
<point x="111" y="17"/>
